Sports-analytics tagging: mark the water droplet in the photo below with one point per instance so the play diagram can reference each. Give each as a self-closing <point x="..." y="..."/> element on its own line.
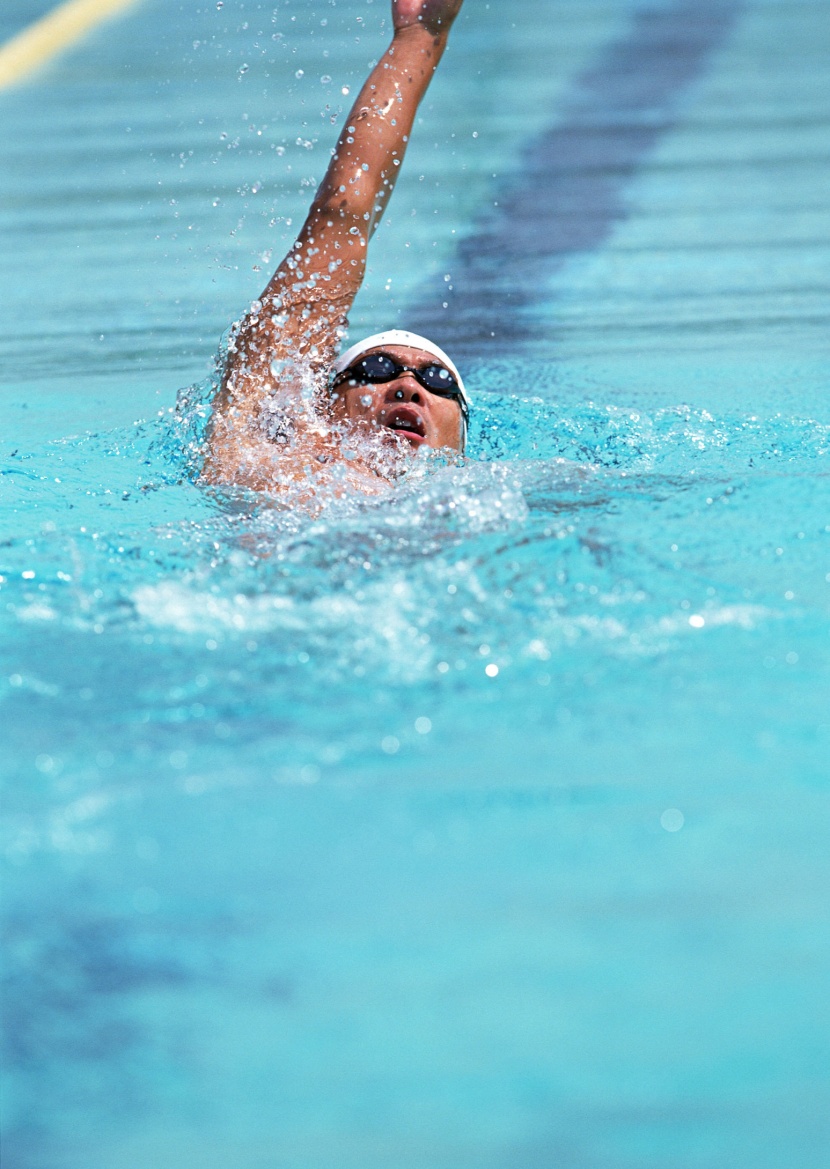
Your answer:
<point x="672" y="820"/>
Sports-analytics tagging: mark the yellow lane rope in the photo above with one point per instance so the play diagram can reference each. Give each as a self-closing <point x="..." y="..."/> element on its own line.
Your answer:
<point x="55" y="31"/>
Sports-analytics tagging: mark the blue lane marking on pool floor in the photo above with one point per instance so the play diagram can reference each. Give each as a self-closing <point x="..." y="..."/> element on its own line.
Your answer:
<point x="570" y="191"/>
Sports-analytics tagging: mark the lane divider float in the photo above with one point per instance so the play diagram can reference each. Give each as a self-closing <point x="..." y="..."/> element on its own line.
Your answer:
<point x="53" y="33"/>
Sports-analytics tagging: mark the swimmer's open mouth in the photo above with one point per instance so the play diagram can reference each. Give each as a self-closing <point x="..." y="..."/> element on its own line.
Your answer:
<point x="407" y="423"/>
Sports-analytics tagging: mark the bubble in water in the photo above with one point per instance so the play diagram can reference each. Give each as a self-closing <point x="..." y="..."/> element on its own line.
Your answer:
<point x="423" y="726"/>
<point x="300" y="73"/>
<point x="345" y="91"/>
<point x="242" y="69"/>
<point x="325" y="79"/>
<point x="366" y="400"/>
<point x="672" y="820"/>
<point x="220" y="4"/>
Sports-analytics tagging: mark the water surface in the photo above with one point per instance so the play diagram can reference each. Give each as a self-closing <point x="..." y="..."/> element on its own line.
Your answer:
<point x="482" y="823"/>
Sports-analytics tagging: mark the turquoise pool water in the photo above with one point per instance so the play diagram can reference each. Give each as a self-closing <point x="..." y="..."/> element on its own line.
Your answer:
<point x="479" y="825"/>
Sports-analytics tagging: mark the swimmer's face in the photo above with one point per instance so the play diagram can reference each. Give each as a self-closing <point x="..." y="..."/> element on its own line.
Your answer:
<point x="403" y="406"/>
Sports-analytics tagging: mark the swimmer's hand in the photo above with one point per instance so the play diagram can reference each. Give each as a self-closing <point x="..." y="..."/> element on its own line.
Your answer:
<point x="434" y="15"/>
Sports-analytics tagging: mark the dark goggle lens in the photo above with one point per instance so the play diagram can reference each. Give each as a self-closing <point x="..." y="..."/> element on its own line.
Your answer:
<point x="436" y="378"/>
<point x="377" y="367"/>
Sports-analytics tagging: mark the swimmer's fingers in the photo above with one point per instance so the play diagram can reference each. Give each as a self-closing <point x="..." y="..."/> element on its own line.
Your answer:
<point x="434" y="15"/>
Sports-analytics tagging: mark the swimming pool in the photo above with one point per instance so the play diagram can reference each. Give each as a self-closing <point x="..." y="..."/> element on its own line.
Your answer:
<point x="484" y="824"/>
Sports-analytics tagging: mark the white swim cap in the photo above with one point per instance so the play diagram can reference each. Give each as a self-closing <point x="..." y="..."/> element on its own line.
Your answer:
<point x="412" y="341"/>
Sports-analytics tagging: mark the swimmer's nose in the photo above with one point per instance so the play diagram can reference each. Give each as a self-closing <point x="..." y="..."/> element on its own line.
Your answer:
<point x="405" y="389"/>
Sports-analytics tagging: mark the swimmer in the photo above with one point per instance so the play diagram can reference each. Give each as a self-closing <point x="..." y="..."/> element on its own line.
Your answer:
<point x="287" y="404"/>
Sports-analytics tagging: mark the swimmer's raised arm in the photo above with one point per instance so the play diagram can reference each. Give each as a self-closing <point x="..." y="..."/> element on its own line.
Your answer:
<point x="331" y="249"/>
<point x="305" y="305"/>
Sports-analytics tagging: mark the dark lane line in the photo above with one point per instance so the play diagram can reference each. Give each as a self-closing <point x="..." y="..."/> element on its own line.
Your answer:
<point x="568" y="195"/>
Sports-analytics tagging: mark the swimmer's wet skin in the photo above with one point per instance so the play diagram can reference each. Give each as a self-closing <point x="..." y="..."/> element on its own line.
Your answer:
<point x="396" y="387"/>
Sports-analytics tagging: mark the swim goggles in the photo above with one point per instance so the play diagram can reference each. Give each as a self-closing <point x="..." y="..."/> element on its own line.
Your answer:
<point x="377" y="368"/>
